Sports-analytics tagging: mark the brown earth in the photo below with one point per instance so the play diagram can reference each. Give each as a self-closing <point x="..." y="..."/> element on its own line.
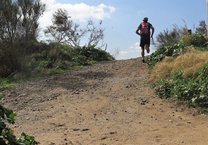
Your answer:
<point x="109" y="103"/>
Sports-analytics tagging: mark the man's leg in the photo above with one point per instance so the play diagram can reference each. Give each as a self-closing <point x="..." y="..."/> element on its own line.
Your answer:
<point x="142" y="45"/>
<point x="142" y="53"/>
<point x="147" y="48"/>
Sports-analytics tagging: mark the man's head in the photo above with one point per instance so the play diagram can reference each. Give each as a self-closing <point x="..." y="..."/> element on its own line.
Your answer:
<point x="145" y="19"/>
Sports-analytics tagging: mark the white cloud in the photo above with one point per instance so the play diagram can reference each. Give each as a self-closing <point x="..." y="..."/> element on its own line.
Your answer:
<point x="79" y="11"/>
<point x="133" y="51"/>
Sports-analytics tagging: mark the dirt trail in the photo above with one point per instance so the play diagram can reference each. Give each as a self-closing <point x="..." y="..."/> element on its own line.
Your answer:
<point x="105" y="104"/>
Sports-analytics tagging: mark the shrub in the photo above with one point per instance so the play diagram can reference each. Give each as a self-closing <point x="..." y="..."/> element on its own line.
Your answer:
<point x="59" y="57"/>
<point x="193" y="90"/>
<point x="163" y="88"/>
<point x="55" y="56"/>
<point x="8" y="59"/>
<point x="180" y="70"/>
<point x="7" y="136"/>
<point x="197" y="40"/>
<point x="164" y="51"/>
<point x="171" y="37"/>
<point x="94" y="54"/>
<point x="189" y="63"/>
<point x="40" y="58"/>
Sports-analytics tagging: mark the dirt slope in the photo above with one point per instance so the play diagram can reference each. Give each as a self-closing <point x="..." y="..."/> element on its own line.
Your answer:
<point x="105" y="104"/>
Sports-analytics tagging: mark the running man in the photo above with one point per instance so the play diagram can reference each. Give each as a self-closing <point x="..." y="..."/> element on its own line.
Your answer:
<point x="144" y="31"/>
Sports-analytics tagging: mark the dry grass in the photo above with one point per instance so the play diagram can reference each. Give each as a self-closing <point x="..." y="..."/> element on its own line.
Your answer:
<point x="189" y="63"/>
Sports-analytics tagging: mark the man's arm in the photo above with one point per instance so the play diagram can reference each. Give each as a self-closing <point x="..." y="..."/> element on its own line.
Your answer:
<point x="153" y="30"/>
<point x="138" y="30"/>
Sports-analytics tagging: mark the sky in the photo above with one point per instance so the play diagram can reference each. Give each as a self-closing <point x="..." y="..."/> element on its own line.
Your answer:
<point x="121" y="18"/>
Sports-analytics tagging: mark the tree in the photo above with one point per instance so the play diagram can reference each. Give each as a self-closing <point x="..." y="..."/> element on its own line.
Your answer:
<point x="9" y="24"/>
<point x="18" y="27"/>
<point x="96" y="34"/>
<point x="19" y="20"/>
<point x="64" y="30"/>
<point x="10" y="19"/>
<point x="168" y="37"/>
<point x="30" y="10"/>
<point x="201" y="29"/>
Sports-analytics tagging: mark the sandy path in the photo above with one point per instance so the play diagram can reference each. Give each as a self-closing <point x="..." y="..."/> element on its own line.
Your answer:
<point x="105" y="104"/>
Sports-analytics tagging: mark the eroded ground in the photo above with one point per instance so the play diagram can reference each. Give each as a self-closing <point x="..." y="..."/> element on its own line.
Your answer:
<point x="109" y="103"/>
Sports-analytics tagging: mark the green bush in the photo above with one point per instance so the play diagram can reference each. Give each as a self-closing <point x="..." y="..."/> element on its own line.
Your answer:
<point x="37" y="58"/>
<point x="92" y="54"/>
<point x="8" y="59"/>
<point x="7" y="136"/>
<point x="59" y="57"/>
<point x="55" y="56"/>
<point x="163" y="88"/>
<point x="197" y="40"/>
<point x="193" y="90"/>
<point x="163" y="51"/>
<point x="171" y="36"/>
<point x="6" y="83"/>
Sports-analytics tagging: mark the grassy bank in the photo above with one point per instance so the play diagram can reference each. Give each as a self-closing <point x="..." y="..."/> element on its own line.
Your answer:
<point x="180" y="72"/>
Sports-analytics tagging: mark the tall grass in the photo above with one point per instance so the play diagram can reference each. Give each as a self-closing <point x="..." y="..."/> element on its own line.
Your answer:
<point x="189" y="63"/>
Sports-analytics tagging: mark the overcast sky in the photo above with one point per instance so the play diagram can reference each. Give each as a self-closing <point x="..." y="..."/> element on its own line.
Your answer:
<point x="122" y="17"/>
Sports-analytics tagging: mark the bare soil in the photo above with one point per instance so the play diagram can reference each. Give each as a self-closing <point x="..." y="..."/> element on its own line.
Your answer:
<point x="110" y="103"/>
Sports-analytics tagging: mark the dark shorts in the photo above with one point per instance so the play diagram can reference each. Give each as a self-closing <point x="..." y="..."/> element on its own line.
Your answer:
<point x="144" y="40"/>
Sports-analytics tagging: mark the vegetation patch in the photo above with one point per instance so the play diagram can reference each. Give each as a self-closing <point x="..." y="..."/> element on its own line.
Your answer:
<point x="7" y="136"/>
<point x="165" y="51"/>
<point x="180" y="70"/>
<point x="193" y="90"/>
<point x="6" y="83"/>
<point x="189" y="63"/>
<point x="58" y="58"/>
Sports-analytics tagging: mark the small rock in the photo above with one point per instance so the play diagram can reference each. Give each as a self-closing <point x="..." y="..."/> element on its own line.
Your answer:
<point x="128" y="86"/>
<point x="113" y="132"/>
<point x="179" y="117"/>
<point x="75" y="129"/>
<point x="143" y="101"/>
<point x="86" y="129"/>
<point x="189" y="122"/>
<point x="171" y="121"/>
<point x="103" y="138"/>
